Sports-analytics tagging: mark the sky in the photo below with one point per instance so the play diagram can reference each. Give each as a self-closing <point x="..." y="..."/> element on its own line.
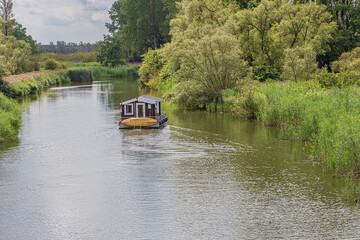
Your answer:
<point x="63" y="20"/>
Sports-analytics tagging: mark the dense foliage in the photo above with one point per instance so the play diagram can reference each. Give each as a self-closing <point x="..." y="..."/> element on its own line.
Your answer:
<point x="139" y="25"/>
<point x="215" y="44"/>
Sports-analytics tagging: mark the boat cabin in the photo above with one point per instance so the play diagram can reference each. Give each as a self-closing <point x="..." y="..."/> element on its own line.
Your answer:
<point x="144" y="111"/>
<point x="144" y="106"/>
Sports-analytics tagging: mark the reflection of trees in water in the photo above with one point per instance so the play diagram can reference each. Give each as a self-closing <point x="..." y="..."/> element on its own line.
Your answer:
<point x="111" y="92"/>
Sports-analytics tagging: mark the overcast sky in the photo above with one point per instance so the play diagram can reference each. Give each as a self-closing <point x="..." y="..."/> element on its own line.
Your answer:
<point x="63" y="20"/>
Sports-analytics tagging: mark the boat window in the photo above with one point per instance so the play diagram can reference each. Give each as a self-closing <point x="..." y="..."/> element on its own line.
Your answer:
<point x="129" y="109"/>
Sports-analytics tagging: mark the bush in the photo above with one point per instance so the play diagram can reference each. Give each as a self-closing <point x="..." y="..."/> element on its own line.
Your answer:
<point x="348" y="61"/>
<point x="252" y="103"/>
<point x="51" y="64"/>
<point x="150" y="68"/>
<point x="263" y="73"/>
<point x="32" y="66"/>
<point x="337" y="79"/>
<point x="188" y="94"/>
<point x="62" y="65"/>
<point x="90" y="58"/>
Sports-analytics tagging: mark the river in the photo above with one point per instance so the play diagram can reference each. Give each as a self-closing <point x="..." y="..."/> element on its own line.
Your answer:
<point x="75" y="175"/>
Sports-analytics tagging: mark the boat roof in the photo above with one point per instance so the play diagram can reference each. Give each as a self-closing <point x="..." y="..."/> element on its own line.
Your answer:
<point x="144" y="98"/>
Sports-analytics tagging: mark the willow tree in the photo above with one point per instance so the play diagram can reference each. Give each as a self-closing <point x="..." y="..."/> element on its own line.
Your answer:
<point x="13" y="55"/>
<point x="214" y="61"/>
<point x="266" y="31"/>
<point x="204" y="52"/>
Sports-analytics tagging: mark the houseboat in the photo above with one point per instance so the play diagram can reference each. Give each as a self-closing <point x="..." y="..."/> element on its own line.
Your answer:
<point x="142" y="112"/>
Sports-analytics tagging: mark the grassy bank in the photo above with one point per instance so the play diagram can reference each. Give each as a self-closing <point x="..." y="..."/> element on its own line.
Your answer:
<point x="10" y="119"/>
<point x="120" y="71"/>
<point x="25" y="85"/>
<point x="328" y="120"/>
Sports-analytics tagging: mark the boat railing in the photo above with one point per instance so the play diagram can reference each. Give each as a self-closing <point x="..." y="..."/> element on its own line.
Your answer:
<point x="157" y="117"/>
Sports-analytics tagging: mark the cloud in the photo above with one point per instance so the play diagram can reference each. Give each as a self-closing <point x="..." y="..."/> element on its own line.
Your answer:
<point x="58" y="20"/>
<point x="99" y="17"/>
<point x="96" y="4"/>
<point x="35" y="11"/>
<point x="66" y="20"/>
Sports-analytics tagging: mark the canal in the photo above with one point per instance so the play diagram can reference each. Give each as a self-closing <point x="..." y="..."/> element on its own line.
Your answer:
<point x="75" y="175"/>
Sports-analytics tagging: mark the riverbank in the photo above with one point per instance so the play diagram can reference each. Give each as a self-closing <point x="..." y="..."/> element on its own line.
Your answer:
<point x="17" y="87"/>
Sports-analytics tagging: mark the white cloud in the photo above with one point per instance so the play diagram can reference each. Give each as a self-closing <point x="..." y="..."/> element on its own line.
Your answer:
<point x="99" y="17"/>
<point x="66" y="20"/>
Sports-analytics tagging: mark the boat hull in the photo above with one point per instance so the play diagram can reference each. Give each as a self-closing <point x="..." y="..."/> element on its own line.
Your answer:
<point x="141" y="123"/>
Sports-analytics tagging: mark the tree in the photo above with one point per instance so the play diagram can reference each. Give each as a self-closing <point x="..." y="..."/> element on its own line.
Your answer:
<point x="299" y="63"/>
<point x="214" y="61"/>
<point x="110" y="51"/>
<point x="8" y="15"/>
<point x="348" y="62"/>
<point x="20" y="34"/>
<point x="273" y="26"/>
<point x="13" y="55"/>
<point x="204" y="53"/>
<point x="346" y="14"/>
<point x="142" y="24"/>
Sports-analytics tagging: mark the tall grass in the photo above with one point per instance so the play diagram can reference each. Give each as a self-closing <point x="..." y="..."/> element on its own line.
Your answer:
<point x="10" y="118"/>
<point x="328" y="120"/>
<point x="120" y="71"/>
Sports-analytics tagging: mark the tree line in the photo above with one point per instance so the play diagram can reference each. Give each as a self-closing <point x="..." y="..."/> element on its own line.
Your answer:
<point x="139" y="25"/>
<point x="61" y="47"/>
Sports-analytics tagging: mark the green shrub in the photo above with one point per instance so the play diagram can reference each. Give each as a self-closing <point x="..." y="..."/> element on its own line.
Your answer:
<point x="32" y="66"/>
<point x="263" y="73"/>
<point x="51" y="64"/>
<point x="151" y="66"/>
<point x="62" y="65"/>
<point x="190" y="95"/>
<point x="90" y="58"/>
<point x="252" y="103"/>
<point x="337" y="79"/>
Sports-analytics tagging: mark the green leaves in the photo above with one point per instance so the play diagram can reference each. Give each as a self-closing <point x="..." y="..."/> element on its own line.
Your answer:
<point x="299" y="63"/>
<point x="141" y="24"/>
<point x="273" y="26"/>
<point x="110" y="51"/>
<point x="13" y="55"/>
